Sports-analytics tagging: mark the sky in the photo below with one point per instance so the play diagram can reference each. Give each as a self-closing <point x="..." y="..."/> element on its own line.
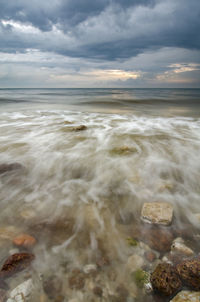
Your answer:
<point x="100" y="43"/>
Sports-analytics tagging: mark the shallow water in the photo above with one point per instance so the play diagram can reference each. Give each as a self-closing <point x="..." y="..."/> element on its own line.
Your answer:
<point x="80" y="193"/>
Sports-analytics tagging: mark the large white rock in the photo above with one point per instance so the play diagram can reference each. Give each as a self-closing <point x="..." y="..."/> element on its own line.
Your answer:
<point x="186" y="296"/>
<point x="179" y="246"/>
<point x="21" y="292"/>
<point x="157" y="212"/>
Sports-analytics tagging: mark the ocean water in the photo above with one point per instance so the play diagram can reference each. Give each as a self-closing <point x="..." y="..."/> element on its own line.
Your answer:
<point x="79" y="191"/>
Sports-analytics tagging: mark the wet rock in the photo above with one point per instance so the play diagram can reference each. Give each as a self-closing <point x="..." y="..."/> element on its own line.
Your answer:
<point x="150" y="256"/>
<point x="102" y="261"/>
<point x="123" y="150"/>
<point x="2" y="295"/>
<point x="186" y="296"/>
<point x="179" y="246"/>
<point x="157" y="213"/>
<point x="98" y="291"/>
<point x="5" y="168"/>
<point x="79" y="128"/>
<point x="156" y="237"/>
<point x="15" y="264"/>
<point x="24" y="240"/>
<point x="135" y="262"/>
<point x="13" y="251"/>
<point x="21" y="292"/>
<point x="52" y="286"/>
<point x="76" y="280"/>
<point x="89" y="268"/>
<point x="189" y="272"/>
<point x="165" y="279"/>
<point x="122" y="293"/>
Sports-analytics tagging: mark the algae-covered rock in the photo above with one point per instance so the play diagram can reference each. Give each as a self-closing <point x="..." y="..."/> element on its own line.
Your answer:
<point x="189" y="272"/>
<point x="141" y="277"/>
<point x="186" y="296"/>
<point x="123" y="150"/>
<point x="165" y="279"/>
<point x="131" y="241"/>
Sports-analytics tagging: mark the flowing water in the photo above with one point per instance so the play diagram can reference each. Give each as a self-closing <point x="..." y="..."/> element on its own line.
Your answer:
<point x="79" y="192"/>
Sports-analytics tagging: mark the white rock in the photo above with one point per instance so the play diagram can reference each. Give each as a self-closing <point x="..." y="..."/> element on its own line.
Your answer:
<point x="186" y="296"/>
<point x="89" y="268"/>
<point x="135" y="262"/>
<point x="179" y="247"/>
<point x="157" y="213"/>
<point x="148" y="288"/>
<point x="21" y="292"/>
<point x="13" y="251"/>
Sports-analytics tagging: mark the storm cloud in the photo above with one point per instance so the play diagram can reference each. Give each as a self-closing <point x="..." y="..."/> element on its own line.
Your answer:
<point x="100" y="31"/>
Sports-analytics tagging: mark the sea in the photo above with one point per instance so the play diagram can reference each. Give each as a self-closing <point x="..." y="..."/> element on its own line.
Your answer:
<point x="76" y="167"/>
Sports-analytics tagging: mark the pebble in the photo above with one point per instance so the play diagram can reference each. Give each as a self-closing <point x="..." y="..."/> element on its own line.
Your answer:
<point x="89" y="268"/>
<point x="24" y="240"/>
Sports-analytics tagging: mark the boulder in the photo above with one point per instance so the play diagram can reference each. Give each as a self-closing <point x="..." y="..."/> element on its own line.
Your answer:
<point x="186" y="296"/>
<point x="165" y="279"/>
<point x="157" y="213"/>
<point x="189" y="272"/>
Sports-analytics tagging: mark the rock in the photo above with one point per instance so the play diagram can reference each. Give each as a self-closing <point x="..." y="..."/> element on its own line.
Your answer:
<point x="148" y="288"/>
<point x="124" y="150"/>
<point x="24" y="240"/>
<point x="13" y="251"/>
<point x="15" y="264"/>
<point x="89" y="268"/>
<point x="21" y="292"/>
<point x="132" y="241"/>
<point x="134" y="262"/>
<point x="150" y="256"/>
<point x="189" y="272"/>
<point x="122" y="293"/>
<point x="179" y="247"/>
<point x="2" y="295"/>
<point x="157" y="213"/>
<point x="186" y="296"/>
<point x="165" y="279"/>
<point x="98" y="291"/>
<point x="141" y="278"/>
<point x="52" y="287"/>
<point x="4" y="168"/>
<point x="76" y="280"/>
<point x="156" y="237"/>
<point x="102" y="261"/>
<point x="79" y="128"/>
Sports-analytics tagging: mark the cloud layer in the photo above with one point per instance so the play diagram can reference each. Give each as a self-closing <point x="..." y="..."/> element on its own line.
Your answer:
<point x="104" y="35"/>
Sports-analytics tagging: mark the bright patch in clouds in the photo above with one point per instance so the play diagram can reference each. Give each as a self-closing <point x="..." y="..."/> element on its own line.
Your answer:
<point x="114" y="74"/>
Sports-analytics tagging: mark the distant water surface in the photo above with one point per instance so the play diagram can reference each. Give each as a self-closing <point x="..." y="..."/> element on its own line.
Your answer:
<point x="80" y="165"/>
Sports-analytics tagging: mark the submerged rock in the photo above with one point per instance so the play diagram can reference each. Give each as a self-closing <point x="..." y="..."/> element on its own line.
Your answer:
<point x="179" y="246"/>
<point x="97" y="290"/>
<point x="4" y="168"/>
<point x="165" y="279"/>
<point x="135" y="262"/>
<point x="157" y="213"/>
<point x="76" y="280"/>
<point x="52" y="287"/>
<point x="2" y="295"/>
<point x="150" y="256"/>
<point x="15" y="264"/>
<point x="189" y="272"/>
<point x="90" y="268"/>
<point x="24" y="240"/>
<point x="79" y="128"/>
<point x="186" y="296"/>
<point x="124" y="150"/>
<point x="141" y="277"/>
<point x="21" y="292"/>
